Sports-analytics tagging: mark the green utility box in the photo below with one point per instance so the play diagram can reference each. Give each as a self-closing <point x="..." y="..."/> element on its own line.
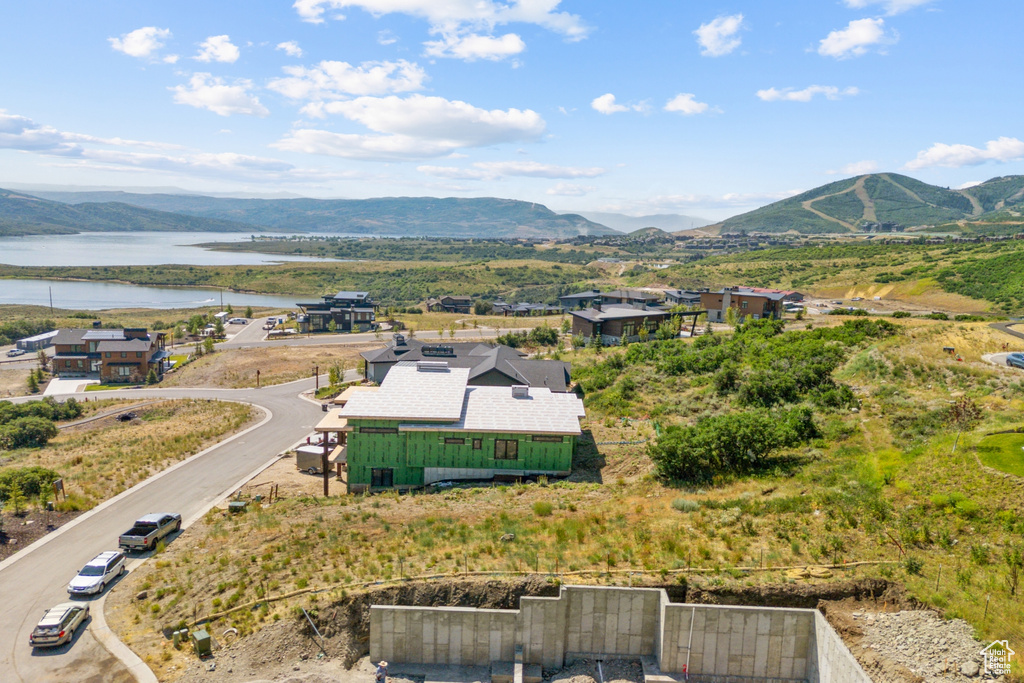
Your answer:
<point x="237" y="506"/>
<point x="202" y="643"/>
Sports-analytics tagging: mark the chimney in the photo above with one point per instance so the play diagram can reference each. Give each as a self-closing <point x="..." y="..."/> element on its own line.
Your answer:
<point x="597" y="304"/>
<point x="399" y="339"/>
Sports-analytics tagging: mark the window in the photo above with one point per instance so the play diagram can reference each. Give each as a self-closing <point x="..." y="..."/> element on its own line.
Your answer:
<point x="80" y="365"/>
<point x="124" y="371"/>
<point x="506" y="449"/>
<point x="138" y="354"/>
<point x="455" y="442"/>
<point x="383" y="476"/>
<point x="124" y="354"/>
<point x="743" y="304"/>
<point x="378" y="430"/>
<point x="107" y="354"/>
<point x="547" y="438"/>
<point x="478" y="444"/>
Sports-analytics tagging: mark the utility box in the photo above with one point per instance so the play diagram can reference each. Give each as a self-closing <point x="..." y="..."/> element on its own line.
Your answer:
<point x="202" y="643"/>
<point x="237" y="506"/>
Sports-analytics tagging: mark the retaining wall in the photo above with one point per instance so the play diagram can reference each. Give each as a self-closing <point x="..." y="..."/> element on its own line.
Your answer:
<point x="713" y="643"/>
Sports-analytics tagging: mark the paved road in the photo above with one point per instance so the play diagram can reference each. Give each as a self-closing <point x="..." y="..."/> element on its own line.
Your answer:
<point x="36" y="580"/>
<point x="1007" y="328"/>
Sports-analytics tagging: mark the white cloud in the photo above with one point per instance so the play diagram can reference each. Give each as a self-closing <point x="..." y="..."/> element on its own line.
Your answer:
<point x="855" y="39"/>
<point x="940" y="154"/>
<point x="331" y="80"/>
<point x="447" y="15"/>
<point x="22" y="133"/>
<point x="291" y="48"/>
<point x="493" y="170"/>
<point x="570" y="190"/>
<point x="718" y="37"/>
<point x="806" y="95"/>
<point x="891" y="7"/>
<point x="414" y="127"/>
<point x="688" y="202"/>
<point x="685" y="104"/>
<point x="606" y="104"/>
<point x="218" y="49"/>
<point x="142" y="42"/>
<point x="969" y="183"/>
<point x="473" y="46"/>
<point x="386" y="37"/>
<point x="207" y="92"/>
<point x="171" y="59"/>
<point x="856" y="168"/>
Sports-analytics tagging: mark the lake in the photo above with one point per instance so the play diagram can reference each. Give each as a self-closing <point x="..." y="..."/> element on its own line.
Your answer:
<point x="131" y="249"/>
<point x="96" y="296"/>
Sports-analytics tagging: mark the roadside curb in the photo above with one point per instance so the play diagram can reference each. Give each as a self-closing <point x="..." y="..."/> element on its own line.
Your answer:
<point x="107" y="503"/>
<point x="109" y="640"/>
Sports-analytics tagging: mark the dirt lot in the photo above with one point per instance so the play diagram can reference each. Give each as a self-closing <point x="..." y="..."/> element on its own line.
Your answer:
<point x="13" y="382"/>
<point x="236" y="368"/>
<point x="20" y="531"/>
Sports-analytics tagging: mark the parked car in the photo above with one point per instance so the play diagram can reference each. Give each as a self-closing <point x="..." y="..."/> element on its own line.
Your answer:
<point x="1015" y="360"/>
<point x="59" y="624"/>
<point x="148" y="530"/>
<point x="237" y="321"/>
<point x="857" y="298"/>
<point x="15" y="352"/>
<point x="100" y="571"/>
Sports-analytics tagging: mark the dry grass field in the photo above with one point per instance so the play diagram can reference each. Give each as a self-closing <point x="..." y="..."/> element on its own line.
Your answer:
<point x="236" y="368"/>
<point x="104" y="457"/>
<point x="13" y="382"/>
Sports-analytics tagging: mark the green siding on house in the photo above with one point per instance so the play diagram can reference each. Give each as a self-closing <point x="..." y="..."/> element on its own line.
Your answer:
<point x="408" y="453"/>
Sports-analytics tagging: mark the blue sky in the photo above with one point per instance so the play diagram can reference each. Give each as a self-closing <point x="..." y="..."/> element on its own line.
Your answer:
<point x="702" y="108"/>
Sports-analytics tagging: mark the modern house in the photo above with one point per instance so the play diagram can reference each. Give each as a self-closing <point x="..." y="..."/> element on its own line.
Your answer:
<point x="588" y="299"/>
<point x="111" y="355"/>
<point x="746" y="302"/>
<point x="682" y="297"/>
<point x="616" y="322"/>
<point x="348" y="310"/>
<point x="450" y="304"/>
<point x="787" y="294"/>
<point x="522" y="310"/>
<point x="488" y="365"/>
<point x="427" y="424"/>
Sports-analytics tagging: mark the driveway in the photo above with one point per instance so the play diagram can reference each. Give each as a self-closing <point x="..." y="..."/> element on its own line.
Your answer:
<point x="35" y="579"/>
<point x="71" y="385"/>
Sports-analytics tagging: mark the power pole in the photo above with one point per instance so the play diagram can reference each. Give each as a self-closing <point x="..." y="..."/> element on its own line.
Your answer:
<point x="316" y="376"/>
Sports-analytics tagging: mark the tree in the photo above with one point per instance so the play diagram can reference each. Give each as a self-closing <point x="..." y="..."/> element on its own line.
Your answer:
<point x="44" y="360"/>
<point x="27" y="432"/>
<point x="566" y="325"/>
<point x="480" y="307"/>
<point x="732" y="317"/>
<point x="248" y="311"/>
<point x="332" y="326"/>
<point x="451" y="330"/>
<point x="178" y="333"/>
<point x="577" y="341"/>
<point x="33" y="383"/>
<point x="208" y="345"/>
<point x="229" y="310"/>
<point x="1014" y="556"/>
<point x="643" y="333"/>
<point x="218" y="327"/>
<point x="334" y="374"/>
<point x="16" y="500"/>
<point x="151" y="378"/>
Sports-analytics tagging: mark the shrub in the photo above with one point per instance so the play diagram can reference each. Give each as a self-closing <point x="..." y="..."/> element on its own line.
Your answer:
<point x="542" y="508"/>
<point x="685" y="505"/>
<point x="900" y="314"/>
<point x="27" y="432"/>
<point x="913" y="565"/>
<point x="29" y="480"/>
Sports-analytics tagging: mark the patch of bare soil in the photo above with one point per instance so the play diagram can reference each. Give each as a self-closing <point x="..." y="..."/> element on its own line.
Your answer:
<point x="20" y="531"/>
<point x="13" y="382"/>
<point x="897" y="641"/>
<point x="586" y="671"/>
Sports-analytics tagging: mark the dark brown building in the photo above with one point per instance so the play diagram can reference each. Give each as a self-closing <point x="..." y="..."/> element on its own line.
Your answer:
<point x="110" y="355"/>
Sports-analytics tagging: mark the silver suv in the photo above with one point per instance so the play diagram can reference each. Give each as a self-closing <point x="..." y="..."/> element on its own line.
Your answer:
<point x="100" y="571"/>
<point x="58" y="625"/>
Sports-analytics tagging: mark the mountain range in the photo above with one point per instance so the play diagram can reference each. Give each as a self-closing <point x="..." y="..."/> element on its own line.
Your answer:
<point x="64" y="212"/>
<point x="849" y="205"/>
<point x="669" y="222"/>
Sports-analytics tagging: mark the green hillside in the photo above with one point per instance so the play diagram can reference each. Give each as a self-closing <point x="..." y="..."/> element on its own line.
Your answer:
<point x="22" y="214"/>
<point x="485" y="217"/>
<point x="848" y="205"/>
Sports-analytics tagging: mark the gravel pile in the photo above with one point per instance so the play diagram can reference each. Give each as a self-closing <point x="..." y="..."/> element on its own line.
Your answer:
<point x="931" y="647"/>
<point x="585" y="671"/>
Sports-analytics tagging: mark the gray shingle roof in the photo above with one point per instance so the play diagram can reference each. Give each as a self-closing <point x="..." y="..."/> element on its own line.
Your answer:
<point x="495" y="409"/>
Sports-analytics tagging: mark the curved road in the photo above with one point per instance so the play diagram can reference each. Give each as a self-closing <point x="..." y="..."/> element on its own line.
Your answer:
<point x="35" y="579"/>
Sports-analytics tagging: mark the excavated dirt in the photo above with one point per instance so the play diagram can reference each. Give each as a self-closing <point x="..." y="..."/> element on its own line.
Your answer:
<point x="586" y="671"/>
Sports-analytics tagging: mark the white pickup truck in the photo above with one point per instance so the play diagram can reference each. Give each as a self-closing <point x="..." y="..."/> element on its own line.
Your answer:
<point x="148" y="531"/>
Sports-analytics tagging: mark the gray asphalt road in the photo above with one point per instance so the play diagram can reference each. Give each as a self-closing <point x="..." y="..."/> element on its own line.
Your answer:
<point x="246" y="341"/>
<point x="36" y="580"/>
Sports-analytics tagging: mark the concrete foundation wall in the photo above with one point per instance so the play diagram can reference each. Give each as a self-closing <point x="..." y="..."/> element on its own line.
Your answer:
<point x="461" y="636"/>
<point x="713" y="643"/>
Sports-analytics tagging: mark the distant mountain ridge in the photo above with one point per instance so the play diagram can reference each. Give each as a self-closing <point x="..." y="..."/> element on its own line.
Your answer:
<point x="22" y="214"/>
<point x="669" y="222"/>
<point x="389" y="216"/>
<point x="847" y="205"/>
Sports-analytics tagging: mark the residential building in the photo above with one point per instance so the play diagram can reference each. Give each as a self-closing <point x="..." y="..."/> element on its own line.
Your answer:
<point x="615" y="322"/>
<point x="524" y="309"/>
<point x="37" y="342"/>
<point x="450" y="304"/>
<point x="634" y="297"/>
<point x="110" y="355"/>
<point x="682" y="297"/>
<point x="488" y="365"/>
<point x="427" y="424"/>
<point x="746" y="302"/>
<point x="349" y="311"/>
<point x="787" y="294"/>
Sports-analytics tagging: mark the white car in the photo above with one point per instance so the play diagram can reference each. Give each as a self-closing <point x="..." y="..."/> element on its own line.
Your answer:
<point x="237" y="321"/>
<point x="100" y="571"/>
<point x="58" y="625"/>
<point x="15" y="352"/>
